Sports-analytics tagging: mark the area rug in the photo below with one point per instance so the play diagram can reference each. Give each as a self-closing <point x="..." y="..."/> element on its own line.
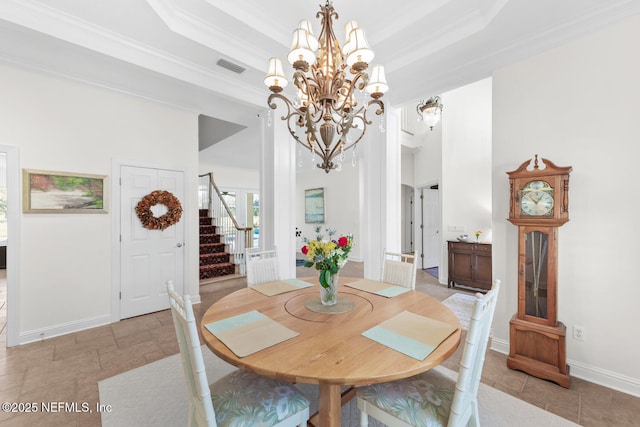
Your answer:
<point x="156" y="395"/>
<point x="461" y="305"/>
<point x="432" y="271"/>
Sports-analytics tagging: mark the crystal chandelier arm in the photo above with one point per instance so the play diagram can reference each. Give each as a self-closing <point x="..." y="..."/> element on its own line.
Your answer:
<point x="380" y="110"/>
<point x="294" y="114"/>
<point x="310" y="88"/>
<point x="352" y="123"/>
<point x="345" y="91"/>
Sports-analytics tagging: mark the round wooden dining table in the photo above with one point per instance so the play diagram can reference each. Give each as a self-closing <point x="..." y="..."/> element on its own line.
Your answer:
<point x="330" y="350"/>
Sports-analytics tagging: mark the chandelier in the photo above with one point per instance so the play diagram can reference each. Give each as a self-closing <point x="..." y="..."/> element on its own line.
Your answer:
<point x="430" y="111"/>
<point x="325" y="116"/>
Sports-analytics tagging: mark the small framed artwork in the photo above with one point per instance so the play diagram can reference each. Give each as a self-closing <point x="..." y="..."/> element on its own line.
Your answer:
<point x="314" y="205"/>
<point x="63" y="192"/>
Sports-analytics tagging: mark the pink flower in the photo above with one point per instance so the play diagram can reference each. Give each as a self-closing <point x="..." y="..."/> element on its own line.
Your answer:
<point x="343" y="241"/>
<point x="305" y="250"/>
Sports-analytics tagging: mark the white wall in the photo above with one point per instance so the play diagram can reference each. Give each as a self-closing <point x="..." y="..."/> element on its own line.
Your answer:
<point x="428" y="157"/>
<point x="234" y="161"/>
<point x="232" y="177"/>
<point x="466" y="160"/>
<point x="407" y="172"/>
<point x="65" y="260"/>
<point x="456" y="155"/>
<point x="577" y="105"/>
<point x="341" y="202"/>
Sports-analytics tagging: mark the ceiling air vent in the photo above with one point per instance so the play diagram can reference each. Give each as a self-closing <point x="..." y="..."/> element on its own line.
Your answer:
<point x="230" y="66"/>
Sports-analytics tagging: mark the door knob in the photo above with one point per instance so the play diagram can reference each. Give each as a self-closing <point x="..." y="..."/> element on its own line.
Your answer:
<point x="179" y="245"/>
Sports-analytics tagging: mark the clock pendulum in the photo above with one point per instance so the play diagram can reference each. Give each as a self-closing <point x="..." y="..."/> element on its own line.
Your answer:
<point x="539" y="204"/>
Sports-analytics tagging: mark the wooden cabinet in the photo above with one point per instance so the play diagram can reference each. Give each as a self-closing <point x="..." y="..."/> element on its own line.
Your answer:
<point x="470" y="265"/>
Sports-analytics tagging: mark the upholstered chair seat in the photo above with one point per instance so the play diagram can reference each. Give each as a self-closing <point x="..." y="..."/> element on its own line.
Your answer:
<point x="245" y="399"/>
<point x="421" y="401"/>
<point x="239" y="399"/>
<point x="431" y="399"/>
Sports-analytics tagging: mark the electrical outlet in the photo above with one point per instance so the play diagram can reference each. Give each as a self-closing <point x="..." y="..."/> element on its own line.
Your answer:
<point x="578" y="333"/>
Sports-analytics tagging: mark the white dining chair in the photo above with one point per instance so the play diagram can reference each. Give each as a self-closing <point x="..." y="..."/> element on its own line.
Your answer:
<point x="239" y="398"/>
<point x="262" y="266"/>
<point x="399" y="269"/>
<point x="431" y="398"/>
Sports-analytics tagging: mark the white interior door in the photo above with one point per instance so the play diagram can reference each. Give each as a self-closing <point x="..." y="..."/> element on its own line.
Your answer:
<point x="431" y="228"/>
<point x="148" y="257"/>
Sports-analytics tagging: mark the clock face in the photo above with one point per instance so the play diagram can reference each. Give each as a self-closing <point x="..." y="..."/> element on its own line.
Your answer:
<point x="537" y="199"/>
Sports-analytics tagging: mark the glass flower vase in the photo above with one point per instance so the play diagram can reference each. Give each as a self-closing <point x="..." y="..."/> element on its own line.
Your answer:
<point x="329" y="294"/>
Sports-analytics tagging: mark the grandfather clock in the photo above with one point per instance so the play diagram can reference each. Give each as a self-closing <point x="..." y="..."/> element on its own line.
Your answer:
<point x="539" y="204"/>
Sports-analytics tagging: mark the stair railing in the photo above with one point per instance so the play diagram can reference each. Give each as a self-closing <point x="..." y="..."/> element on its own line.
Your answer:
<point x="236" y="238"/>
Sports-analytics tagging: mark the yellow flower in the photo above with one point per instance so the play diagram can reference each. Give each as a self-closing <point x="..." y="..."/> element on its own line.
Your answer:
<point x="328" y="247"/>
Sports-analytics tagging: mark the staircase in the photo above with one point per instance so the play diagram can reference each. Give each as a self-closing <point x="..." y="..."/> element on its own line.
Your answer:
<point x="215" y="261"/>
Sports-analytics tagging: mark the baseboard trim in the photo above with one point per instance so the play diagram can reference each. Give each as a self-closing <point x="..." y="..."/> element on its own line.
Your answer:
<point x="63" y="329"/>
<point x="593" y="374"/>
<point x="605" y="377"/>
<point x="500" y="345"/>
<point x="195" y="299"/>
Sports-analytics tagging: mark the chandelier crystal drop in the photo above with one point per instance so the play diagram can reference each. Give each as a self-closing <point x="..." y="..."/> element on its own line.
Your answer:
<point x="326" y="116"/>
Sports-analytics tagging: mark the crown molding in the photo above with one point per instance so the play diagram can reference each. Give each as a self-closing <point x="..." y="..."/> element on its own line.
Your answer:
<point x="44" y="19"/>
<point x="191" y="26"/>
<point x="464" y="27"/>
<point x="254" y="98"/>
<point x="254" y="17"/>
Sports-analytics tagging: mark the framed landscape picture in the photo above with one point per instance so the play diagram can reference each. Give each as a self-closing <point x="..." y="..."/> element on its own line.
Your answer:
<point x="63" y="192"/>
<point x="314" y="205"/>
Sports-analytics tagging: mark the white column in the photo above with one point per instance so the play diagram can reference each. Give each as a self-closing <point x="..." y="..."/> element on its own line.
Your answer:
<point x="380" y="192"/>
<point x="393" y="181"/>
<point x="277" y="191"/>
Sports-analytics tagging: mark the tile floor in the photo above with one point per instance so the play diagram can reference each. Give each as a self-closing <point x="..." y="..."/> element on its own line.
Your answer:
<point x="67" y="368"/>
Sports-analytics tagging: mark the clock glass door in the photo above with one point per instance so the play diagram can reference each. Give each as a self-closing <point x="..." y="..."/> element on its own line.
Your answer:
<point x="536" y="274"/>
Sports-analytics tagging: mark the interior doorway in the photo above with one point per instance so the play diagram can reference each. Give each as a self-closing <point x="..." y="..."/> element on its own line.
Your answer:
<point x="408" y="219"/>
<point x="3" y="243"/>
<point x="428" y="231"/>
<point x="9" y="277"/>
<point x="148" y="258"/>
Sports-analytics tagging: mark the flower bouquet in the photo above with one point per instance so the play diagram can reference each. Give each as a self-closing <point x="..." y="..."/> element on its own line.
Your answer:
<point x="328" y="256"/>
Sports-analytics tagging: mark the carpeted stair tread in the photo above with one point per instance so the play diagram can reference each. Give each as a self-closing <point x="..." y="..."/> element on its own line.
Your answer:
<point x="217" y="270"/>
<point x="210" y="238"/>
<point x="212" y="248"/>
<point x="208" y="229"/>
<point x="214" y="258"/>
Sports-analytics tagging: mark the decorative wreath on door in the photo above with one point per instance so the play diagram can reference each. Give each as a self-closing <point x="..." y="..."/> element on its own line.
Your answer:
<point x="159" y="197"/>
